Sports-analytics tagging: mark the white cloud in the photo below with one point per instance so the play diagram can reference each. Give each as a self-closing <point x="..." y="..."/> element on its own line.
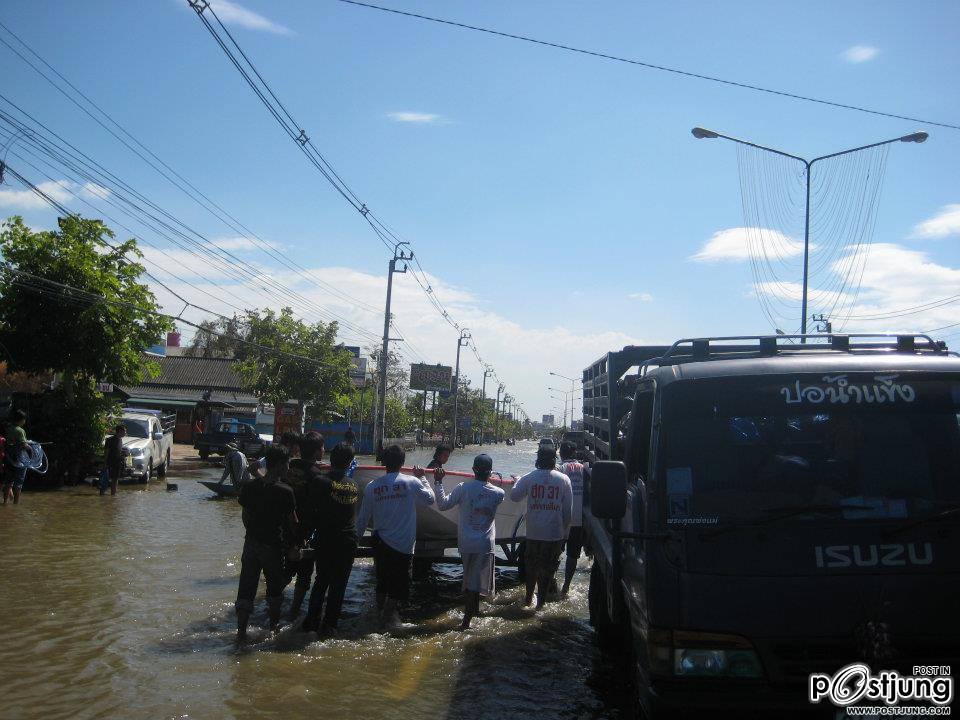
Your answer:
<point x="641" y="296"/>
<point x="415" y="117"/>
<point x="733" y="245"/>
<point x="233" y="14"/>
<point x="859" y="53"/>
<point x="63" y="191"/>
<point x="243" y="243"/>
<point x="941" y="225"/>
<point x="515" y="350"/>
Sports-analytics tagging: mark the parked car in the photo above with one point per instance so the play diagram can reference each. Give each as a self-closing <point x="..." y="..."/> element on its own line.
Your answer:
<point x="149" y="442"/>
<point x="547" y="442"/>
<point x="214" y="442"/>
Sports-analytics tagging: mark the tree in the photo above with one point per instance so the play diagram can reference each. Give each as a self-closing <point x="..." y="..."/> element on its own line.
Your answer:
<point x="71" y="303"/>
<point x="221" y="338"/>
<point x="295" y="360"/>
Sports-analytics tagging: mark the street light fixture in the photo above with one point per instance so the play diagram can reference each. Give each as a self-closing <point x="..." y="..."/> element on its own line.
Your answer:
<point x="705" y="134"/>
<point x="573" y="383"/>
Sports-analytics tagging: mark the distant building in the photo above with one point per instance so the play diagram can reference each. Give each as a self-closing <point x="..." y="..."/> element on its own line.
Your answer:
<point x="184" y="382"/>
<point x="576" y="424"/>
<point x="549" y="421"/>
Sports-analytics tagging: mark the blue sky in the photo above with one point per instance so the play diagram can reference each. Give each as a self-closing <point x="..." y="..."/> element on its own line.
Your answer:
<point x="555" y="199"/>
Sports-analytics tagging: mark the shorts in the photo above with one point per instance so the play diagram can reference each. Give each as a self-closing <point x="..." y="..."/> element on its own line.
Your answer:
<point x="574" y="544"/>
<point x="542" y="557"/>
<point x="478" y="573"/>
<point x="14" y="476"/>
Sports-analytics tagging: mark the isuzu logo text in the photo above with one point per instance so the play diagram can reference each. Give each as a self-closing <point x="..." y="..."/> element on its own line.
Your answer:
<point x="886" y="555"/>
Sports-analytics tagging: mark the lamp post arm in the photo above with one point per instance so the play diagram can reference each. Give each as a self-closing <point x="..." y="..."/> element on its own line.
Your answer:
<point x="764" y="147"/>
<point x="856" y="149"/>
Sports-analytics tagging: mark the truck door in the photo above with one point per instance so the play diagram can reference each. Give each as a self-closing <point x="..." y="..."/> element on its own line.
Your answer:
<point x="639" y="442"/>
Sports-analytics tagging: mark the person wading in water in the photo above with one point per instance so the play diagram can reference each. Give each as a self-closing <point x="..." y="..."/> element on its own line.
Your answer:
<point x="391" y="502"/>
<point x="269" y="516"/>
<point x="441" y="455"/>
<point x="304" y="474"/>
<point x="115" y="455"/>
<point x="332" y="500"/>
<point x="549" y="510"/>
<point x="577" y="473"/>
<point x="476" y="531"/>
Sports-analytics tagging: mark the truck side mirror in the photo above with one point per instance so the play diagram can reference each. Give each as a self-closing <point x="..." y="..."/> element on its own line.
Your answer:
<point x="158" y="436"/>
<point x="608" y="489"/>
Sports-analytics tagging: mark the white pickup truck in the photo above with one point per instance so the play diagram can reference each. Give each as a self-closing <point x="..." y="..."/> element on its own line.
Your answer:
<point x="149" y="442"/>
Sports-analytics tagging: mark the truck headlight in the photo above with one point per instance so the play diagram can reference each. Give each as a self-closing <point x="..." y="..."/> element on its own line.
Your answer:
<point x="683" y="653"/>
<point x="136" y="452"/>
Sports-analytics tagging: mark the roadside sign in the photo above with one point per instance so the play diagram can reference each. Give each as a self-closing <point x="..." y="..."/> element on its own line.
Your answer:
<point x="464" y="423"/>
<point x="430" y="377"/>
<point x="358" y="371"/>
<point x="105" y="387"/>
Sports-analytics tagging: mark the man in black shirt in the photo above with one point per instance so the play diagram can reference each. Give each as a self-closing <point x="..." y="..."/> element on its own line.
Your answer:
<point x="304" y="473"/>
<point x="269" y="515"/>
<point x="333" y="503"/>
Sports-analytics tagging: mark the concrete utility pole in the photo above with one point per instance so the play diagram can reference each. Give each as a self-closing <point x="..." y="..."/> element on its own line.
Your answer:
<point x="379" y="419"/>
<point x="496" y="416"/>
<point x="462" y="341"/>
<point x="487" y="372"/>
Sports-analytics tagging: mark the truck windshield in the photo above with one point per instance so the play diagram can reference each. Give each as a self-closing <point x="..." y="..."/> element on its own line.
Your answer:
<point x="802" y="448"/>
<point x="136" y="428"/>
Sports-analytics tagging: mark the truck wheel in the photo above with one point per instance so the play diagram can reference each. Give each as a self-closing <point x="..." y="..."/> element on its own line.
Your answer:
<point x="162" y="470"/>
<point x="609" y="638"/>
<point x="204" y="454"/>
<point x="148" y="473"/>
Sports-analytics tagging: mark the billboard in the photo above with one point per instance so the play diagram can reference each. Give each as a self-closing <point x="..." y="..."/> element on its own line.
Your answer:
<point x="430" y="377"/>
<point x="358" y="371"/>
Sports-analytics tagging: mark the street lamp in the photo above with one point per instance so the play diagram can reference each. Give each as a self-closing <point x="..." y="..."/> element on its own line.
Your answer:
<point x="487" y="372"/>
<point x="705" y="134"/>
<point x="573" y="383"/>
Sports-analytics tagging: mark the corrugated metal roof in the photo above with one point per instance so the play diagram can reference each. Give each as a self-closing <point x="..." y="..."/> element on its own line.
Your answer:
<point x="195" y="372"/>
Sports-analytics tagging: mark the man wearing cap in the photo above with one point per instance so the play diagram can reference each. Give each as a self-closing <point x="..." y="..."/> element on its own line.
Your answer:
<point x="549" y="511"/>
<point x="235" y="466"/>
<point x="478" y="500"/>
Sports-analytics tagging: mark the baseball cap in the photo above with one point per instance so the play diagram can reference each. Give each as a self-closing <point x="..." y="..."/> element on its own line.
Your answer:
<point x="545" y="452"/>
<point x="483" y="463"/>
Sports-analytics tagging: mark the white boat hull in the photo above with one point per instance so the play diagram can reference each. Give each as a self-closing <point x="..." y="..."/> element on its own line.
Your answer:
<point x="434" y="526"/>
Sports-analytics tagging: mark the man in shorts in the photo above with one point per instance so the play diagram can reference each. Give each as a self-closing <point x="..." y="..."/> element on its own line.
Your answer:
<point x="14" y="474"/>
<point x="549" y="512"/>
<point x="115" y="456"/>
<point x="476" y="530"/>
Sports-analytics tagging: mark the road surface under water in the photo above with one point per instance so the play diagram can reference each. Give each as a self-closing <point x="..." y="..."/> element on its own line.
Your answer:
<point x="123" y="608"/>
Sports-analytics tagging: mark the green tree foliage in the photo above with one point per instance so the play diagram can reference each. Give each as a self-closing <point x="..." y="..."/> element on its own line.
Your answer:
<point x="275" y="375"/>
<point x="65" y="331"/>
<point x="220" y="338"/>
<point x="81" y="338"/>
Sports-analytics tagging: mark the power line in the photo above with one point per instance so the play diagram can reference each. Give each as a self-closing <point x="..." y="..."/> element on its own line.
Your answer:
<point x="651" y="66"/>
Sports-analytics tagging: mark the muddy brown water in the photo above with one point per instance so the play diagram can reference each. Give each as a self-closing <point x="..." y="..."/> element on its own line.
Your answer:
<point x="123" y="608"/>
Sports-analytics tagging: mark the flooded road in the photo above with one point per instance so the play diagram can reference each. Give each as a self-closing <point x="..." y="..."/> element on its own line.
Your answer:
<point x="123" y="608"/>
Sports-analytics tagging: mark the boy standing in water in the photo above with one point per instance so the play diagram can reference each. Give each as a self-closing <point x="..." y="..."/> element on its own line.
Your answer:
<point x="115" y="455"/>
<point x="577" y="472"/>
<point x="269" y="515"/>
<point x="549" y="511"/>
<point x="476" y="531"/>
<point x="333" y="502"/>
<point x="391" y="502"/>
<point x="16" y="438"/>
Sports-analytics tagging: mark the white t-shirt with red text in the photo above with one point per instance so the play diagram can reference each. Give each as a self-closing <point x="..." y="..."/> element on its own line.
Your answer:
<point x="549" y="504"/>
<point x="478" y="501"/>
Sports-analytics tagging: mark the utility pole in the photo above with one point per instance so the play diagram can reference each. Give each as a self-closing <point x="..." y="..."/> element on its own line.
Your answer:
<point x="433" y="411"/>
<point x="462" y="341"/>
<point x="496" y="416"/>
<point x="823" y="323"/>
<point x="423" y="418"/>
<point x="487" y="372"/>
<point x="379" y="420"/>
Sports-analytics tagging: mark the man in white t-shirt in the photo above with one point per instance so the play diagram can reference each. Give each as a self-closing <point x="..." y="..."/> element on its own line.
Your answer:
<point x="391" y="502"/>
<point x="549" y="511"/>
<point x="478" y="500"/>
<point x="577" y="472"/>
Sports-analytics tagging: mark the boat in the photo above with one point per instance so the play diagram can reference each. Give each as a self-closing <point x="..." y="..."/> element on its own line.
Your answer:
<point x="434" y="528"/>
<point x="221" y="489"/>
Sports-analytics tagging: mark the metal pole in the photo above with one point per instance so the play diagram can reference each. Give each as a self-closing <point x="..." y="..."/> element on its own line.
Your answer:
<point x="483" y="402"/>
<point x="379" y="419"/>
<point x="806" y="256"/>
<point x="496" y="416"/>
<point x="433" y="411"/>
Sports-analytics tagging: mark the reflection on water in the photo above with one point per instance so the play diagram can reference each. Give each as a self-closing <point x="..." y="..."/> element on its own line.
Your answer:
<point x="123" y="607"/>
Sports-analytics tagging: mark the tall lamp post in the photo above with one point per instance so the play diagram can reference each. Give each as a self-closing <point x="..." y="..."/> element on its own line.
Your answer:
<point x="462" y="341"/>
<point x="573" y="384"/>
<point x="704" y="134"/>
<point x="487" y="372"/>
<point x="496" y="416"/>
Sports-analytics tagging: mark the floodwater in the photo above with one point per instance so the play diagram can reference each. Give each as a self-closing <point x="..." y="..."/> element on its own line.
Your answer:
<point x="123" y="608"/>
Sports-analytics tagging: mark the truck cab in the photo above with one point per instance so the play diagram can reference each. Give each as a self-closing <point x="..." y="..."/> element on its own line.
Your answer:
<point x="765" y="508"/>
<point x="148" y="442"/>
